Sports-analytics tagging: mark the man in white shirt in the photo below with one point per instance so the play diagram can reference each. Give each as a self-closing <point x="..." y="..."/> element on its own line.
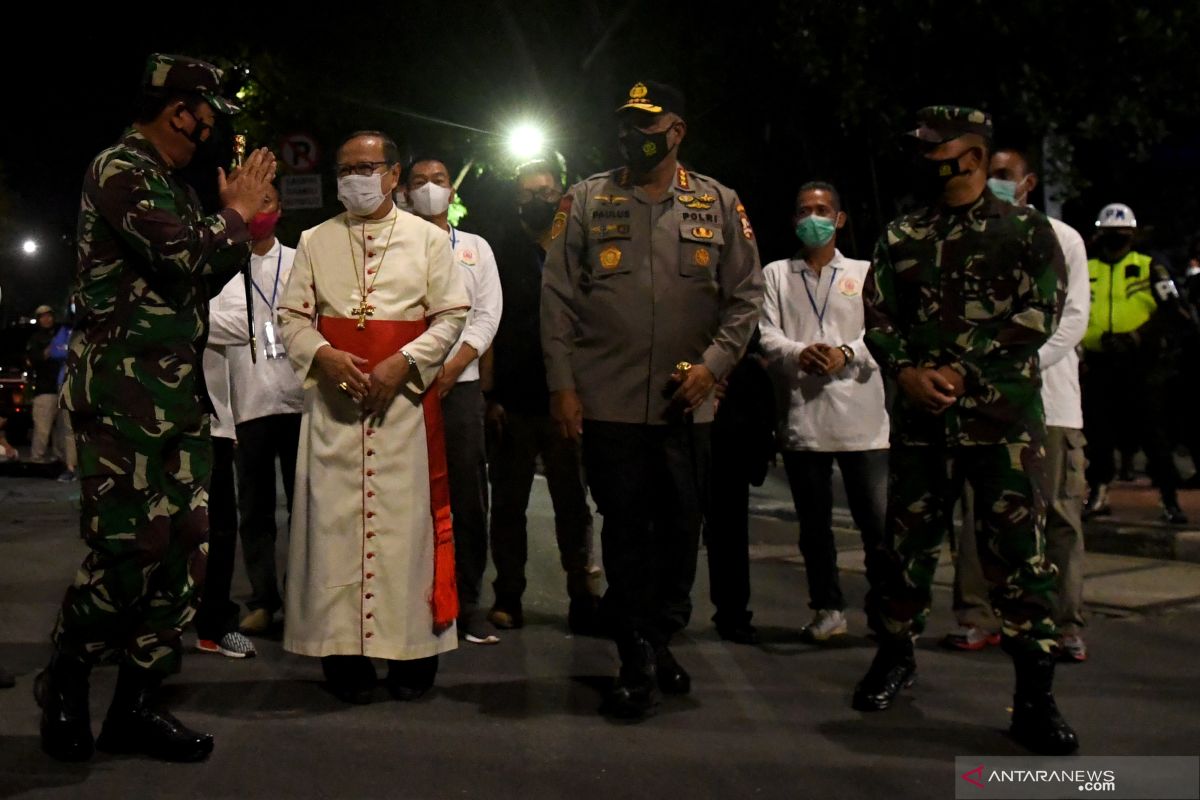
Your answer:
<point x="1064" y="487"/>
<point x="267" y="403"/>
<point x="831" y="401"/>
<point x="430" y="192"/>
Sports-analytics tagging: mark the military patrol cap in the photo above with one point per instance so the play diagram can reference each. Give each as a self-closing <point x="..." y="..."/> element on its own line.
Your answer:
<point x="184" y="74"/>
<point x="937" y="124"/>
<point x="653" y="98"/>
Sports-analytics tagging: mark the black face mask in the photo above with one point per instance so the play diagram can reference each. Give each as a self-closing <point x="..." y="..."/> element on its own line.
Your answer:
<point x="196" y="135"/>
<point x="537" y="214"/>
<point x="1112" y="245"/>
<point x="931" y="176"/>
<point x="643" y="151"/>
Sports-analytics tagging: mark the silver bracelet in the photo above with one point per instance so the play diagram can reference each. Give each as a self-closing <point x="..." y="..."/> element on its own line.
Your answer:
<point x="412" y="362"/>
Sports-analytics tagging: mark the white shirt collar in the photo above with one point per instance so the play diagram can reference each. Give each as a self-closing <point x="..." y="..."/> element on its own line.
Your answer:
<point x="800" y="265"/>
<point x="272" y="253"/>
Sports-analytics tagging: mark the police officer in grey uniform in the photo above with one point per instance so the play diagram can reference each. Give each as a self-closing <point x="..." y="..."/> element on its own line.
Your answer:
<point x="650" y="293"/>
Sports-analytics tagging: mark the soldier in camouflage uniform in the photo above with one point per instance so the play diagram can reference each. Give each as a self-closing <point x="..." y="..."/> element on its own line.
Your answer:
<point x="962" y="295"/>
<point x="149" y="259"/>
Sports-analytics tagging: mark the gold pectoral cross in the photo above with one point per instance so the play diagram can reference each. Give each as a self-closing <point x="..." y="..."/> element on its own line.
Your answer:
<point x="362" y="311"/>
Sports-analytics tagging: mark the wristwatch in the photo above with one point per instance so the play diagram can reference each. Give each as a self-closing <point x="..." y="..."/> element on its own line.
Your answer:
<point x="847" y="351"/>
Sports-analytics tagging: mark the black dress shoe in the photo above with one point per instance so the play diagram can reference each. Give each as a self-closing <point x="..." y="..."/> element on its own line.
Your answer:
<point x="411" y="680"/>
<point x="1037" y="723"/>
<point x="739" y="633"/>
<point x="1173" y="514"/>
<point x="133" y="725"/>
<point x="894" y="668"/>
<point x="351" y="679"/>
<point x="61" y="690"/>
<point x="635" y="695"/>
<point x="672" y="678"/>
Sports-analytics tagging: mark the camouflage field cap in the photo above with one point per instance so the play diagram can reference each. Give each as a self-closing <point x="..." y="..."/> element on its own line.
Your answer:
<point x="937" y="124"/>
<point x="184" y="74"/>
<point x="653" y="98"/>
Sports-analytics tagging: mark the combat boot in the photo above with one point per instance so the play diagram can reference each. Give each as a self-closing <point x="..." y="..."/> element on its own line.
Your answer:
<point x="635" y="695"/>
<point x="1036" y="722"/>
<point x="894" y="668"/>
<point x="133" y="725"/>
<point x="61" y="690"/>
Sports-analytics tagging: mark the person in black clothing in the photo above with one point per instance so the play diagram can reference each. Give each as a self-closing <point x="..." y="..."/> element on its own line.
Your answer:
<point x="520" y="428"/>
<point x="743" y="444"/>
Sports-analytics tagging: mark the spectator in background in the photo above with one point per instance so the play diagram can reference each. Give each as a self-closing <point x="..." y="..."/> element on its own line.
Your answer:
<point x="44" y="369"/>
<point x="58" y="351"/>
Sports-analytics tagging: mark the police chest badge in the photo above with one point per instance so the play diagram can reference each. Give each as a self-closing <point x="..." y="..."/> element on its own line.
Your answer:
<point x="610" y="257"/>
<point x="702" y="257"/>
<point x="467" y="257"/>
<point x="560" y="217"/>
<point x="849" y="286"/>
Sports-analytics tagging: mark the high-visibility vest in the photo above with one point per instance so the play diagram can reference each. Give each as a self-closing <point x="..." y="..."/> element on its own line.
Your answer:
<point x="1122" y="300"/>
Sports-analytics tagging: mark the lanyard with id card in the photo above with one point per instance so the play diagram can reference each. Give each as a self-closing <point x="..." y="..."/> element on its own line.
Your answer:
<point x="272" y="344"/>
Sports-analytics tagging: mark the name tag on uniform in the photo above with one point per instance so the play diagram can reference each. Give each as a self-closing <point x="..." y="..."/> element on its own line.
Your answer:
<point x="272" y="344"/>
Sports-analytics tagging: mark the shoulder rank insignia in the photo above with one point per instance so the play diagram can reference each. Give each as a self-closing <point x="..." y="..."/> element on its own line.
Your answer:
<point x="610" y="257"/>
<point x="683" y="179"/>
<point x="702" y="257"/>
<point x="702" y="233"/>
<point x="560" y="217"/>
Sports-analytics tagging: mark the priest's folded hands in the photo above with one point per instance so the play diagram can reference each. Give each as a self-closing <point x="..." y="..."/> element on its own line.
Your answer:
<point x="384" y="384"/>
<point x="341" y="369"/>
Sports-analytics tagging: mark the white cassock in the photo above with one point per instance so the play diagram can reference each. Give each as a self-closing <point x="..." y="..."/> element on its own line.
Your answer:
<point x="370" y="495"/>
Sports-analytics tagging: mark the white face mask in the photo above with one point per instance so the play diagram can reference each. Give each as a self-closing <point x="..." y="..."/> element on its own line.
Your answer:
<point x="362" y="195"/>
<point x="430" y="200"/>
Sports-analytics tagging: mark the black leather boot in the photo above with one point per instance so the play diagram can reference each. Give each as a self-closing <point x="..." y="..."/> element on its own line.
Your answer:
<point x="894" y="668"/>
<point x="411" y="680"/>
<point x="351" y="678"/>
<point x="672" y="678"/>
<point x="61" y="689"/>
<point x="635" y="694"/>
<point x="133" y="725"/>
<point x="1036" y="722"/>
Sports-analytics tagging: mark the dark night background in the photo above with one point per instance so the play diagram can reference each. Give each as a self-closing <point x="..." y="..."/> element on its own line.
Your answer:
<point x="778" y="93"/>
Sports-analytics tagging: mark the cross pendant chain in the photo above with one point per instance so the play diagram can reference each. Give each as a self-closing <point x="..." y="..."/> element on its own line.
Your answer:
<point x="362" y="311"/>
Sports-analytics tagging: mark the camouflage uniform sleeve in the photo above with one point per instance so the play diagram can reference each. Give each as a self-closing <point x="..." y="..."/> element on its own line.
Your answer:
<point x="885" y="341"/>
<point x="1041" y="291"/>
<point x="297" y="314"/>
<point x="739" y="275"/>
<point x="560" y="277"/>
<point x="141" y="206"/>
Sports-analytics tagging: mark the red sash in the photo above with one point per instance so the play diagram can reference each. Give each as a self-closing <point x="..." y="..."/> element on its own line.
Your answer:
<point x="377" y="341"/>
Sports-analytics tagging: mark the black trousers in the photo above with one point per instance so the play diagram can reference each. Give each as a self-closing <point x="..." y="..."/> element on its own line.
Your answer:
<point x="511" y="467"/>
<point x="260" y="443"/>
<point x="466" y="461"/>
<point x="727" y="530"/>
<point x="649" y="482"/>
<point x="1120" y="395"/>
<point x="217" y="615"/>
<point x="810" y="474"/>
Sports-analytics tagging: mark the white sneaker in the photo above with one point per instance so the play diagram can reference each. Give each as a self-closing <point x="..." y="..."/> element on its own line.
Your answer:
<point x="826" y="624"/>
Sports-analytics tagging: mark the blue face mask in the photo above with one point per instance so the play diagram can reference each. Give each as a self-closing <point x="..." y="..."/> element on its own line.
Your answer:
<point x="1005" y="190"/>
<point x="814" y="231"/>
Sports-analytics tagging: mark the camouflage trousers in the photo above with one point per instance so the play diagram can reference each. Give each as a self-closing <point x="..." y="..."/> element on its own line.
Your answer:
<point x="923" y="486"/>
<point x="144" y="516"/>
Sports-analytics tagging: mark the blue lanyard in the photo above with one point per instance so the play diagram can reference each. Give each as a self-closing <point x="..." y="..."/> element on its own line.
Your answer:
<point x="813" y="301"/>
<point x="453" y="238"/>
<point x="275" y="293"/>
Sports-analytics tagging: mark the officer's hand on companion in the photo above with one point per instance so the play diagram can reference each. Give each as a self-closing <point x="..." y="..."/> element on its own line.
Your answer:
<point x="694" y="388"/>
<point x="567" y="411"/>
<point x="925" y="387"/>
<point x="338" y="367"/>
<point x="385" y="382"/>
<point x="246" y="189"/>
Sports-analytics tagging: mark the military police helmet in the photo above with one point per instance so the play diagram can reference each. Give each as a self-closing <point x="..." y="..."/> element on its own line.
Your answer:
<point x="1116" y="215"/>
<point x="185" y="74"/>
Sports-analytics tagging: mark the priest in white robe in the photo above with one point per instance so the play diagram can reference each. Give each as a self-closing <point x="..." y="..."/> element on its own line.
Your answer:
<point x="373" y="305"/>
